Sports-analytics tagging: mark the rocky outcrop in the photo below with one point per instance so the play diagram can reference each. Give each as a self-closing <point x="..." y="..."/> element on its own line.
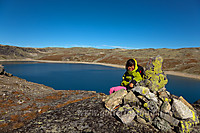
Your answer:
<point x="3" y="72"/>
<point x="155" y="105"/>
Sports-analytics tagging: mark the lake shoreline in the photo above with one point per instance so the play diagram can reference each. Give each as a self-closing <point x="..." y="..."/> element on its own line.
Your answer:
<point x="181" y="74"/>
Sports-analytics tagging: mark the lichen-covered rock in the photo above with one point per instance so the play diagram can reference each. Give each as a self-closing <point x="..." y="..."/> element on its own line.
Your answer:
<point x="115" y="99"/>
<point x="165" y="107"/>
<point x="185" y="126"/>
<point x="151" y="106"/>
<point x="126" y="114"/>
<point x="145" y="92"/>
<point x="131" y="99"/>
<point x="180" y="110"/>
<point x="162" y="124"/>
<point x="173" y="121"/>
<point x="185" y="102"/>
<point x="141" y="90"/>
<point x="155" y="78"/>
<point x="140" y="120"/>
<point x="142" y="113"/>
<point x="164" y="96"/>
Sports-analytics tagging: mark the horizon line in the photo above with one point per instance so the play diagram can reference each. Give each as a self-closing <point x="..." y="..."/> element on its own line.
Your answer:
<point x="97" y="47"/>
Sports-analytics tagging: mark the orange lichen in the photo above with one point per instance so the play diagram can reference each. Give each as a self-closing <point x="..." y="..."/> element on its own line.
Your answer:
<point x="3" y="125"/>
<point x="14" y="117"/>
<point x="76" y="93"/>
<point x="17" y="125"/>
<point x="29" y="116"/>
<point x="53" y="97"/>
<point x="59" y="93"/>
<point x="9" y="101"/>
<point x="41" y="100"/>
<point x="44" y="109"/>
<point x="18" y="92"/>
<point x="73" y="101"/>
<point x="28" y="99"/>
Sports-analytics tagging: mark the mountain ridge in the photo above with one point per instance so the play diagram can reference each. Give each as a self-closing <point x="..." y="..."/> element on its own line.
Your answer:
<point x="186" y="60"/>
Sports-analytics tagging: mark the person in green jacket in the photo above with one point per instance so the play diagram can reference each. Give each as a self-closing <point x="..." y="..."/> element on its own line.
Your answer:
<point x="134" y="73"/>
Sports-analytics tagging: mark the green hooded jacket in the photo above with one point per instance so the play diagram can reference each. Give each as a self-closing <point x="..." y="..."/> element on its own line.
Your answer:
<point x="132" y="76"/>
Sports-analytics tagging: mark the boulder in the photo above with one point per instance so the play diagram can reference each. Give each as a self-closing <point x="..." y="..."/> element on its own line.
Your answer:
<point x="143" y="99"/>
<point x="131" y="99"/>
<point x="141" y="90"/>
<point x="115" y="99"/>
<point x="180" y="110"/>
<point x="141" y="120"/>
<point x="1" y="69"/>
<point x="186" y="103"/>
<point x="165" y="107"/>
<point x="185" y="126"/>
<point x="162" y="124"/>
<point x="8" y="74"/>
<point x="145" y="92"/>
<point x="151" y="106"/>
<point x="3" y="72"/>
<point x="164" y="96"/>
<point x="172" y="121"/>
<point x="194" y="118"/>
<point x="126" y="114"/>
<point x="142" y="113"/>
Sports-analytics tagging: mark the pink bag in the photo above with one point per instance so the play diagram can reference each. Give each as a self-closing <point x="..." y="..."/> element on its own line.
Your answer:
<point x="113" y="89"/>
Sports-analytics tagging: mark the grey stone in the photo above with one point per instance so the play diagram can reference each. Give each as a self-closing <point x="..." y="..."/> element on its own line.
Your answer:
<point x="1" y="69"/>
<point x="173" y="121"/>
<point x="142" y="98"/>
<point x="141" y="90"/>
<point x="166" y="107"/>
<point x="151" y="106"/>
<point x="143" y="114"/>
<point x="162" y="124"/>
<point x="126" y="114"/>
<point x="152" y="96"/>
<point x="145" y="92"/>
<point x="131" y="99"/>
<point x="185" y="126"/>
<point x="141" y="120"/>
<point x="162" y="89"/>
<point x="8" y="74"/>
<point x="186" y="103"/>
<point x="180" y="110"/>
<point x="114" y="99"/>
<point x="164" y="96"/>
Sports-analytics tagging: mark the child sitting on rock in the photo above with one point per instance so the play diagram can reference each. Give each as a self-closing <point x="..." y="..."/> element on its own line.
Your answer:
<point x="134" y="74"/>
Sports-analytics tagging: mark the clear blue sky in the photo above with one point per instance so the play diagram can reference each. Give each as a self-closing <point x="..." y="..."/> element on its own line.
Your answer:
<point x="100" y="23"/>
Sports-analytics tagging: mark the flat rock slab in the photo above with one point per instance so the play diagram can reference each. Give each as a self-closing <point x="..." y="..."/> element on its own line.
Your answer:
<point x="22" y="101"/>
<point x="181" y="110"/>
<point x="84" y="116"/>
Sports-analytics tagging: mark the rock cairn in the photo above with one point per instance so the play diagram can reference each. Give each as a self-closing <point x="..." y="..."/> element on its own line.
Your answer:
<point x="150" y="103"/>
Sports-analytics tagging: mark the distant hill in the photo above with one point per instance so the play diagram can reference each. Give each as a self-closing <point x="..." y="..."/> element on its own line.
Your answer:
<point x="183" y="60"/>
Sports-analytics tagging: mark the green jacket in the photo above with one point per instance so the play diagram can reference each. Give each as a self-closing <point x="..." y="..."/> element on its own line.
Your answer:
<point x="132" y="76"/>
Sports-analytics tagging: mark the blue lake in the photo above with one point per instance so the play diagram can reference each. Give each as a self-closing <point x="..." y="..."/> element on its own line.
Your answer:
<point x="91" y="77"/>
